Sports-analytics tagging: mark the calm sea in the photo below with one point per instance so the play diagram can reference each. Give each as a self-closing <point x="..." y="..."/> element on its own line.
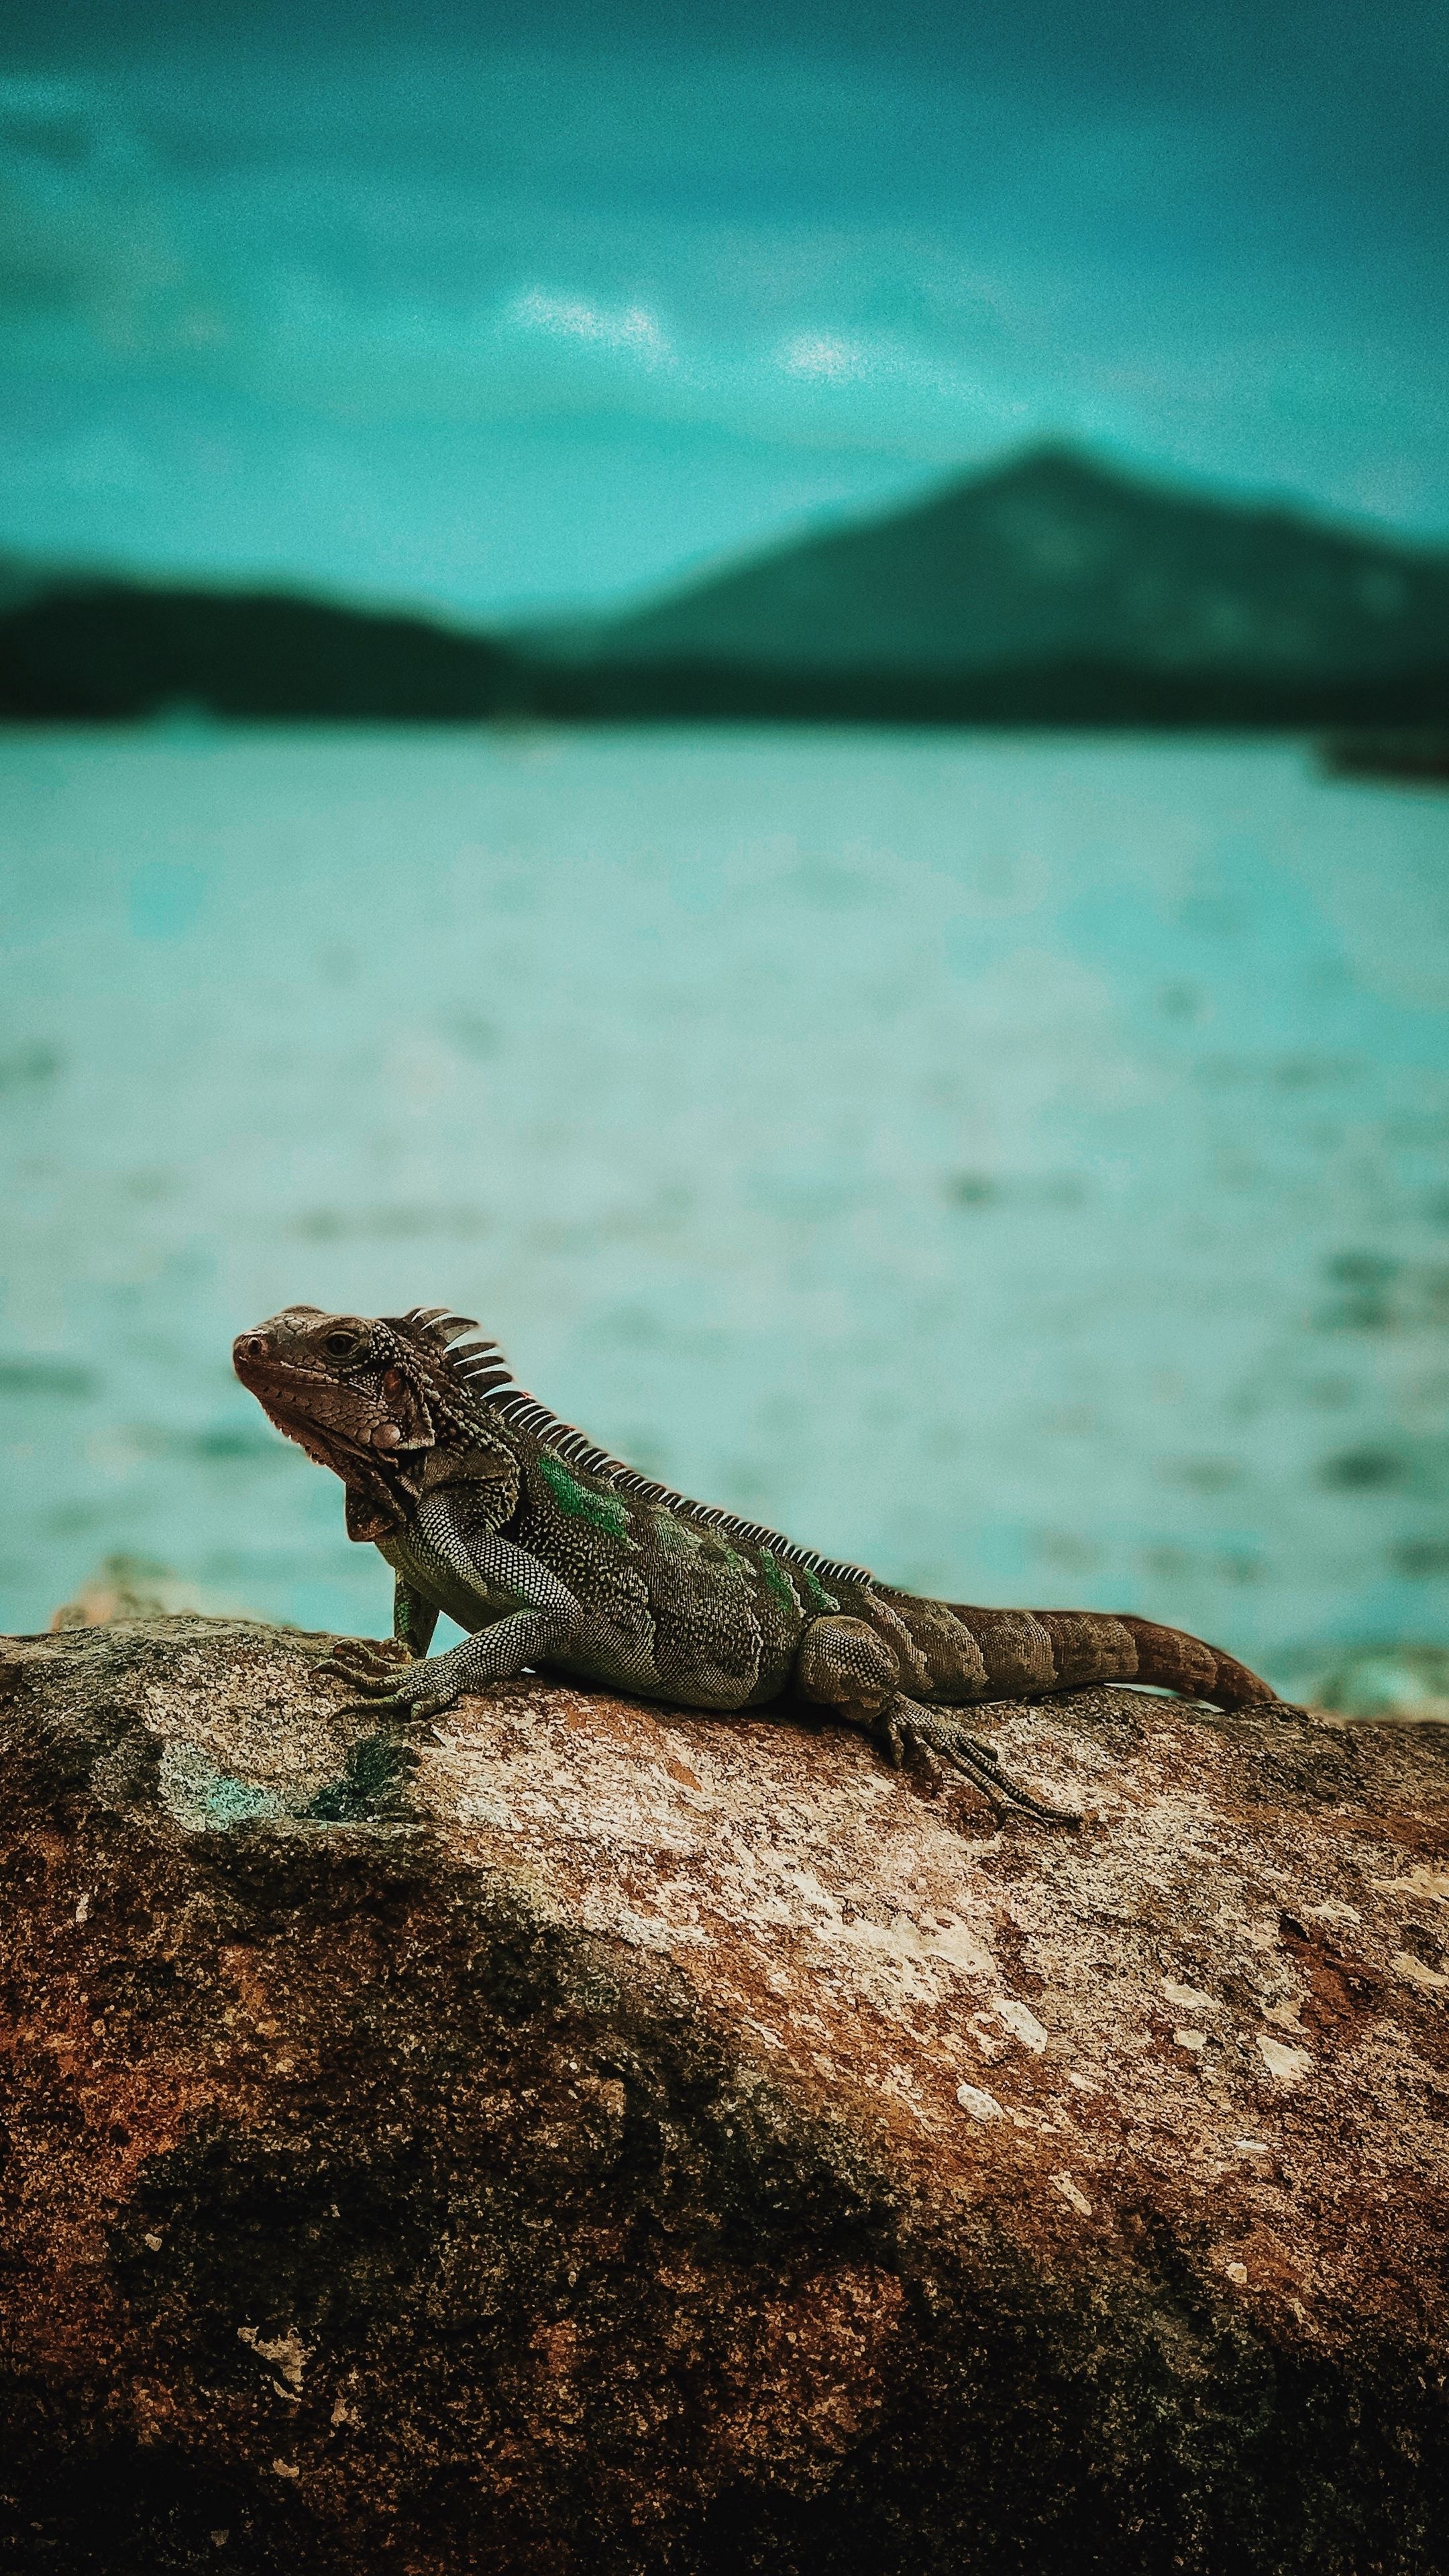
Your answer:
<point x="1019" y="1165"/>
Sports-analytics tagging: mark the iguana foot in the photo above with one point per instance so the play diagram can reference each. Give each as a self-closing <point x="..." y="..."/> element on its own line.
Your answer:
<point x="369" y="1663"/>
<point x="390" y="1678"/>
<point x="847" y="1665"/>
<point x="416" y="1687"/>
<point x="904" y="1728"/>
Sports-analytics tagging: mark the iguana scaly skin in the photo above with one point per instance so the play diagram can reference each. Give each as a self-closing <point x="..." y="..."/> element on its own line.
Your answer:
<point x="555" y="1556"/>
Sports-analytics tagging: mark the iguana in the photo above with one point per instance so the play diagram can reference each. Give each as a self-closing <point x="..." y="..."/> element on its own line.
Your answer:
<point x="557" y="1557"/>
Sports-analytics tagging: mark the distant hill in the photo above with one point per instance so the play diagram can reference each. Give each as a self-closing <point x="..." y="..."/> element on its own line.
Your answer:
<point x="107" y="651"/>
<point x="21" y="579"/>
<point x="1049" y="559"/>
<point x="1052" y="556"/>
<point x="1047" y="591"/>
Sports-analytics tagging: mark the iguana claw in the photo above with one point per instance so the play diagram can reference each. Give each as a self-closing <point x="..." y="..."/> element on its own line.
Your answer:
<point x="381" y="1667"/>
<point x="907" y="1729"/>
<point x="368" y="1663"/>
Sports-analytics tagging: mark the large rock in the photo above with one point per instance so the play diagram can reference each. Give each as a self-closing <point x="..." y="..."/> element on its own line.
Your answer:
<point x="596" y="2138"/>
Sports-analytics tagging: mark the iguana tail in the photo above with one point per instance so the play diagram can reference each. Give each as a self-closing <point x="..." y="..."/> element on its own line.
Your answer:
<point x="1036" y="1650"/>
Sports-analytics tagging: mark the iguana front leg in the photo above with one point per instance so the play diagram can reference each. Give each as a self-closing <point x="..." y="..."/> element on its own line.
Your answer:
<point x="843" y="1663"/>
<point x="413" y="1617"/>
<point x="363" y="1659"/>
<point x="546" y="1622"/>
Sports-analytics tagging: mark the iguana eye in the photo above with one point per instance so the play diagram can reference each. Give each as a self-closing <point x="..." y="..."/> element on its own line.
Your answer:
<point x="339" y="1344"/>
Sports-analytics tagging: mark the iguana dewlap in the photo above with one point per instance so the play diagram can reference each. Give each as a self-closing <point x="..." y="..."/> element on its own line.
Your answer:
<point x="555" y="1556"/>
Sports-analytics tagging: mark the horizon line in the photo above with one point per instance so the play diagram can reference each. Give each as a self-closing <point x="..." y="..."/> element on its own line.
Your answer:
<point x="24" y="576"/>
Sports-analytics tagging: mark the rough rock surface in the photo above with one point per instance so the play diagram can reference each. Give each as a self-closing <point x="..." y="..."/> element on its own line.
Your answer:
<point x="594" y="2138"/>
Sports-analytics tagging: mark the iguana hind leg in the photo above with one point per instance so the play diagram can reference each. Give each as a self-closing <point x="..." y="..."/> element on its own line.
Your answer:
<point x="842" y="1663"/>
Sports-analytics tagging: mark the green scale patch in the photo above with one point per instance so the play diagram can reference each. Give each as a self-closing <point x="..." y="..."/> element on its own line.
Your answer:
<point x="820" y="1598"/>
<point x="778" y="1582"/>
<point x="581" y="1502"/>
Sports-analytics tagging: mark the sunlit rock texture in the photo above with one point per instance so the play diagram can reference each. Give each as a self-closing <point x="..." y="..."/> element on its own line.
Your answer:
<point x="590" y="2138"/>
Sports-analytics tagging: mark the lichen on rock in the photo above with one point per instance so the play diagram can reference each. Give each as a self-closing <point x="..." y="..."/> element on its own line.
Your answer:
<point x="582" y="2136"/>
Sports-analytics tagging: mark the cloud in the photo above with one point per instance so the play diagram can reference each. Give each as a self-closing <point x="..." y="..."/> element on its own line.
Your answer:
<point x="759" y="286"/>
<point x="923" y="391"/>
<point x="630" y="329"/>
<point x="61" y="126"/>
<point x="822" y="353"/>
<point x="88" y="236"/>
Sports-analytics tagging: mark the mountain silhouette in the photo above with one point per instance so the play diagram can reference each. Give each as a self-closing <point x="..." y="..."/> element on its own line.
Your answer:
<point x="108" y="651"/>
<point x="1047" y="591"/>
<point x="1053" y="558"/>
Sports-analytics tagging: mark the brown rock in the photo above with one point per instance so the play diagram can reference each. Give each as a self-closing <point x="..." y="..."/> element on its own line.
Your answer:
<point x="591" y="2138"/>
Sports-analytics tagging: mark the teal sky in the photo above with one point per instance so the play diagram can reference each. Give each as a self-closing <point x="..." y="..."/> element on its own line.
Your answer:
<point x="505" y="309"/>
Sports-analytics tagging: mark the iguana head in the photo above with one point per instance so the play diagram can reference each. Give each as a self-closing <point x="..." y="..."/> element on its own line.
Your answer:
<point x="379" y="1399"/>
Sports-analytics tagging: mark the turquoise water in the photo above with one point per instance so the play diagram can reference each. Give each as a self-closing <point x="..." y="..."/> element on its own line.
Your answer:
<point x="1018" y="1165"/>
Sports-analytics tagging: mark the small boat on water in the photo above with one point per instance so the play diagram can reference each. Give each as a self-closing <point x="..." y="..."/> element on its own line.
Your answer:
<point x="1416" y="754"/>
